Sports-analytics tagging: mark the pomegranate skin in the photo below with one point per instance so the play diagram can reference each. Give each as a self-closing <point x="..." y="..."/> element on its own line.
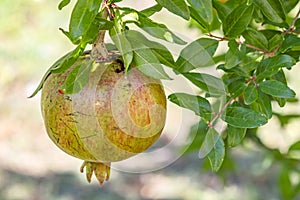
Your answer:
<point x="113" y="117"/>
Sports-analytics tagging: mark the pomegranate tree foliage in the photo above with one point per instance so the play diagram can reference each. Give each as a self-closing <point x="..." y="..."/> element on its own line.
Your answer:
<point x="262" y="38"/>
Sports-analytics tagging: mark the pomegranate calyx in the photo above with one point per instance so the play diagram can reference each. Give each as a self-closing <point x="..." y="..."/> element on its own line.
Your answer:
<point x="101" y="170"/>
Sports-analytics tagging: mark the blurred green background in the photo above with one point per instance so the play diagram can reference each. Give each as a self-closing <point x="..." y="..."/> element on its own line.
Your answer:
<point x="33" y="168"/>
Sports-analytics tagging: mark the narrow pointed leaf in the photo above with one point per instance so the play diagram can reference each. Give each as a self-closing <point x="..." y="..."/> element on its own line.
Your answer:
<point x="155" y="29"/>
<point x="235" y="135"/>
<point x="236" y="88"/>
<point x="276" y="89"/>
<point x="263" y="105"/>
<point x="61" y="65"/>
<point x="211" y="138"/>
<point x="237" y="21"/>
<point x="243" y="117"/>
<point x="250" y="94"/>
<point x="78" y="77"/>
<point x="197" y="54"/>
<point x="67" y="61"/>
<point x="285" y="184"/>
<point x="197" y="104"/>
<point x="82" y="17"/>
<point x="123" y="46"/>
<point x="197" y="135"/>
<point x="204" y="9"/>
<point x="270" y="66"/>
<point x="161" y="52"/>
<point x="150" y="11"/>
<point x="255" y="38"/>
<point x="295" y="146"/>
<point x="233" y="56"/>
<point x="289" y="42"/>
<point x="147" y="62"/>
<point x="272" y="9"/>
<point x="275" y="41"/>
<point x="178" y="7"/>
<point x="63" y="3"/>
<point x="217" y="154"/>
<point x="207" y="82"/>
<point x="222" y="9"/>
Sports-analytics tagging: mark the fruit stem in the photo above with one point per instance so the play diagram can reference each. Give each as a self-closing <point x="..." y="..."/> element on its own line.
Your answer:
<point x="99" y="50"/>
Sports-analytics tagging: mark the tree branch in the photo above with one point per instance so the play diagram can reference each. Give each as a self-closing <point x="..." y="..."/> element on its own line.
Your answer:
<point x="294" y="20"/>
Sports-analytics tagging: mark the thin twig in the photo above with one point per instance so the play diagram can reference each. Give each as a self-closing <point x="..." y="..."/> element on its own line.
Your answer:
<point x="294" y="20"/>
<point x="217" y="37"/>
<point x="220" y="113"/>
<point x="292" y="25"/>
<point x="256" y="48"/>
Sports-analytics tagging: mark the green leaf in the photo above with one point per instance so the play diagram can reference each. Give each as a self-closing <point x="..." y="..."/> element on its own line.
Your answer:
<point x="206" y="82"/>
<point x="285" y="120"/>
<point x="271" y="9"/>
<point x="198" y="104"/>
<point x="204" y="9"/>
<point x="263" y="105"/>
<point x="246" y="64"/>
<point x="241" y="117"/>
<point x="63" y="3"/>
<point x="78" y="77"/>
<point x="285" y="184"/>
<point x="222" y="9"/>
<point x="280" y="76"/>
<point x="237" y="21"/>
<point x="233" y="56"/>
<point x="197" y="54"/>
<point x="61" y="65"/>
<point x="82" y="17"/>
<point x="200" y="22"/>
<point x="275" y="41"/>
<point x="289" y="42"/>
<point x="67" y="34"/>
<point x="68" y="60"/>
<point x="236" y="88"/>
<point x="150" y="11"/>
<point x="270" y="66"/>
<point x="295" y="146"/>
<point x="197" y="134"/>
<point x="159" y="31"/>
<point x="113" y="1"/>
<point x="103" y="23"/>
<point x="178" y="7"/>
<point x="297" y="25"/>
<point x="99" y="23"/>
<point x="155" y="29"/>
<point x="288" y="5"/>
<point x="217" y="154"/>
<point x="250" y="94"/>
<point x="211" y="138"/>
<point x="276" y="89"/>
<point x="235" y="135"/>
<point x="255" y="38"/>
<point x="147" y="62"/>
<point x="123" y="45"/>
<point x="160" y="51"/>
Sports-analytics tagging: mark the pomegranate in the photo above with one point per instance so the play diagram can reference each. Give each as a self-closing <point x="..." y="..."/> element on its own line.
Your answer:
<point x="116" y="115"/>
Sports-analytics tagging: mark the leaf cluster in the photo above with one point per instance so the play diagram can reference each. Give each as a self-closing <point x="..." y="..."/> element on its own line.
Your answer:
<point x="262" y="44"/>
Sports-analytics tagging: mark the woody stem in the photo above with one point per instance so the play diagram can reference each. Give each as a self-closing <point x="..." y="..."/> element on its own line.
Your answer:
<point x="99" y="50"/>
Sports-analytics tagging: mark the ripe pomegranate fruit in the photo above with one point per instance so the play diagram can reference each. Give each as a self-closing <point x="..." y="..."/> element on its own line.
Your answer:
<point x="116" y="115"/>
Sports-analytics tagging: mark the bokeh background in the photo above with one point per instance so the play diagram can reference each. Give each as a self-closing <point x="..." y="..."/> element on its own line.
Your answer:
<point x="33" y="168"/>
